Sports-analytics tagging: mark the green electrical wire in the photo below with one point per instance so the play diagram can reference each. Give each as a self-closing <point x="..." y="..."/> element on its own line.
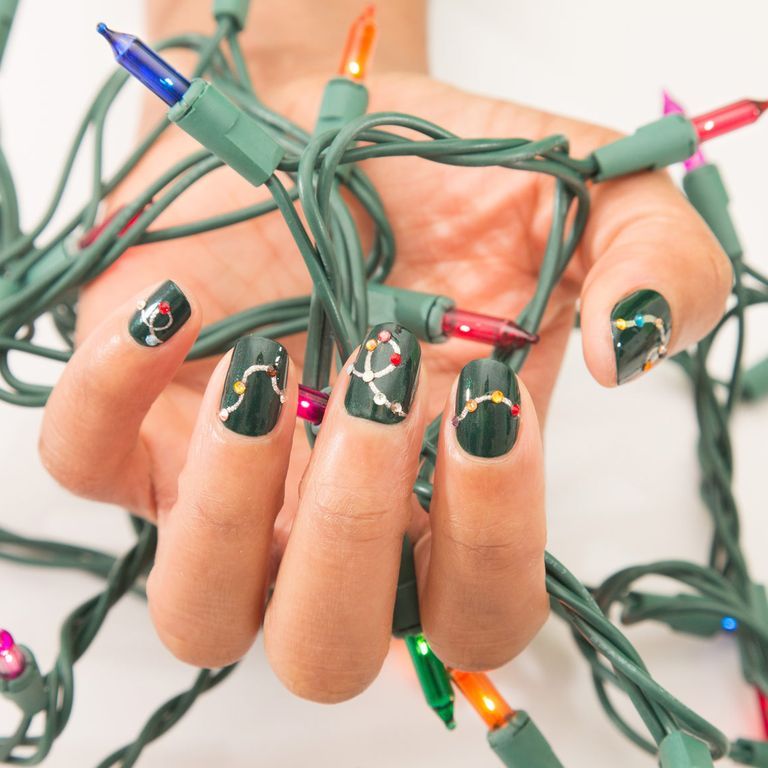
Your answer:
<point x="41" y="274"/>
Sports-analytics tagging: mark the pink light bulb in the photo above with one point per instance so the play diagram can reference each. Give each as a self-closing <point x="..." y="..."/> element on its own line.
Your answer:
<point x="729" y="118"/>
<point x="311" y="405"/>
<point x="672" y="107"/>
<point x="486" y="328"/>
<point x="12" y="659"/>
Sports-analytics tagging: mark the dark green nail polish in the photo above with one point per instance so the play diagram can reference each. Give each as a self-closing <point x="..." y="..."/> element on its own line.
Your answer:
<point x="158" y="317"/>
<point x="641" y="325"/>
<point x="384" y="375"/>
<point x="254" y="391"/>
<point x="487" y="408"/>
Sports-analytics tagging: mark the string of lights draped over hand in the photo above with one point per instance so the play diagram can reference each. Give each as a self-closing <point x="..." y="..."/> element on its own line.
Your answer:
<point x="41" y="274"/>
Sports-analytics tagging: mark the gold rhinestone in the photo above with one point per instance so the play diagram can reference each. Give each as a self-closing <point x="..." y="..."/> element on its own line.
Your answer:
<point x="239" y="387"/>
<point x="497" y="396"/>
<point x="647" y="365"/>
<point x="471" y="405"/>
<point x="621" y="323"/>
<point x="371" y="344"/>
<point x="272" y="371"/>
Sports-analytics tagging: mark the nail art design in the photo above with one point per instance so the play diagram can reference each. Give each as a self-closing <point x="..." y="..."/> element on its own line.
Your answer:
<point x="158" y="317"/>
<point x="641" y="326"/>
<point x="384" y="375"/>
<point x="487" y="408"/>
<point x="254" y="391"/>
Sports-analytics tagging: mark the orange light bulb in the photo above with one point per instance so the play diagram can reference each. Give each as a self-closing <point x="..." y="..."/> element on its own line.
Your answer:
<point x="361" y="42"/>
<point x="481" y="693"/>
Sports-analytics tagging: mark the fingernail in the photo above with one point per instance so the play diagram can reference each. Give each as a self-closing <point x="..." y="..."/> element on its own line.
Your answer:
<point x="254" y="391"/>
<point x="160" y="315"/>
<point x="487" y="408"/>
<point x="383" y="377"/>
<point x="641" y="325"/>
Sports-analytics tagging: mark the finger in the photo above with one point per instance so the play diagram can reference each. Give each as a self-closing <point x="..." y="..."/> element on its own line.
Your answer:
<point x="329" y="622"/>
<point x="90" y="435"/>
<point x="481" y="566"/>
<point x="659" y="281"/>
<point x="208" y="585"/>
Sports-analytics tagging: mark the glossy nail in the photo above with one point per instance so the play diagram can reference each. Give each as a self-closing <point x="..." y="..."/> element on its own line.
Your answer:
<point x="384" y="375"/>
<point x="487" y="408"/>
<point x="641" y="327"/>
<point x="159" y="316"/>
<point x="254" y="390"/>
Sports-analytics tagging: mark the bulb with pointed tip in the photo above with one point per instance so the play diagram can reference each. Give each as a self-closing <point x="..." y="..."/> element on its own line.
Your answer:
<point x="486" y="328"/>
<point x="12" y="659"/>
<point x="672" y="107"/>
<point x="145" y="65"/>
<point x="361" y="41"/>
<point x="311" y="405"/>
<point x="485" y="699"/>
<point x="729" y="118"/>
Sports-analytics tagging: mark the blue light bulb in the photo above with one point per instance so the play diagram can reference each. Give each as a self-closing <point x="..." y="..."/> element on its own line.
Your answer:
<point x="146" y="66"/>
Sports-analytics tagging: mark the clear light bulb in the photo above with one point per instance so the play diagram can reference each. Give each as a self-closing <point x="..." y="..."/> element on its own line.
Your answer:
<point x="146" y="65"/>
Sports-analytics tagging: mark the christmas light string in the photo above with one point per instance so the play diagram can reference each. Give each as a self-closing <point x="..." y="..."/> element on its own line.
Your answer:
<point x="39" y="280"/>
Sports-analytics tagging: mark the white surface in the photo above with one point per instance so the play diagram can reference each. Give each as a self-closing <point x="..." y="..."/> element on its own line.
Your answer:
<point x="622" y="473"/>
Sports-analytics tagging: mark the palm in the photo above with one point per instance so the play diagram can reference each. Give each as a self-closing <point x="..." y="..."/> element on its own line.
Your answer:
<point x="474" y="235"/>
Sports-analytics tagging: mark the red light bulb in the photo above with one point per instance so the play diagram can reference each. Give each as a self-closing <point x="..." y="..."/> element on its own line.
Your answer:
<point x="12" y="659"/>
<point x="486" y="328"/>
<point x="311" y="405"/>
<point x="92" y="235"/>
<point x="763" y="701"/>
<point x="361" y="41"/>
<point x="728" y="118"/>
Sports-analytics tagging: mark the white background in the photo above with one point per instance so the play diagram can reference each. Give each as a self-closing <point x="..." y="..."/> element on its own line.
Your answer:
<point x="622" y="473"/>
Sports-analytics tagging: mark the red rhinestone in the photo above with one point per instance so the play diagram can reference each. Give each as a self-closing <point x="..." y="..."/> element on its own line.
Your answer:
<point x="164" y="307"/>
<point x="515" y="409"/>
<point x="395" y="359"/>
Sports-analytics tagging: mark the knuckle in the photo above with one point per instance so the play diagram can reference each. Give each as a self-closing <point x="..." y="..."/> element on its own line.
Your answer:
<point x="349" y="511"/>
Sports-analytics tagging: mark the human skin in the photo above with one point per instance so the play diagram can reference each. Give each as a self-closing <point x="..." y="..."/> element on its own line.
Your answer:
<point x="326" y="531"/>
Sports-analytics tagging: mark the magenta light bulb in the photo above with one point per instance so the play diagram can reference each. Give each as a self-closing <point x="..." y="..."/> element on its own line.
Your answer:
<point x="672" y="107"/>
<point x="12" y="660"/>
<point x="486" y="328"/>
<point x="311" y="405"/>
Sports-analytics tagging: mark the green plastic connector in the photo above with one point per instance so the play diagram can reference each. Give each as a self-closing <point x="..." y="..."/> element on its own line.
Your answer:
<point x="749" y="752"/>
<point x="7" y="14"/>
<point x="421" y="313"/>
<point x="27" y="692"/>
<point x="676" y="612"/>
<point x="343" y="101"/>
<point x="664" y="142"/>
<point x="433" y="678"/>
<point x="49" y="264"/>
<point x="680" y="750"/>
<point x="754" y="383"/>
<point x="706" y="191"/>
<point x="207" y="115"/>
<point x="237" y="10"/>
<point x="520" y="744"/>
<point x="406" y="619"/>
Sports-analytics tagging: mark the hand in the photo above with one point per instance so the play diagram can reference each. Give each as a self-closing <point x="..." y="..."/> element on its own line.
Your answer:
<point x="135" y="426"/>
